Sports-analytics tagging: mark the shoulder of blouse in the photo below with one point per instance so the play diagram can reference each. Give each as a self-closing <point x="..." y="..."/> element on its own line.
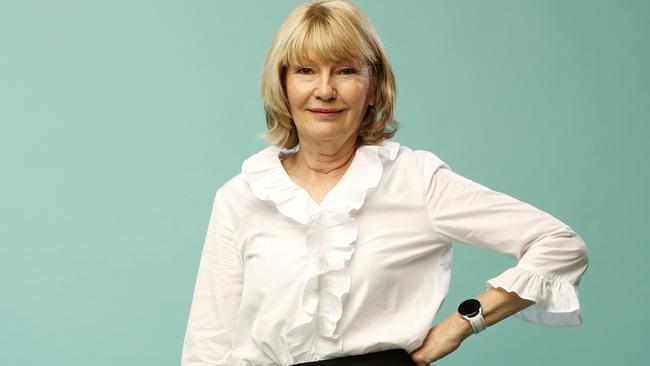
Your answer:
<point x="233" y="199"/>
<point x="263" y="178"/>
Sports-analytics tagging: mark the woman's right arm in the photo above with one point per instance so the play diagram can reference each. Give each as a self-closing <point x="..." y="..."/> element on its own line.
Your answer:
<point x="217" y="293"/>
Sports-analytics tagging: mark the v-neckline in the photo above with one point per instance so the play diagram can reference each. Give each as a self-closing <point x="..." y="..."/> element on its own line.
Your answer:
<point x="322" y="203"/>
<point x="269" y="181"/>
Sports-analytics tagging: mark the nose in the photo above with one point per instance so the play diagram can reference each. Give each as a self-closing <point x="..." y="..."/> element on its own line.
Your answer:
<point x="325" y="89"/>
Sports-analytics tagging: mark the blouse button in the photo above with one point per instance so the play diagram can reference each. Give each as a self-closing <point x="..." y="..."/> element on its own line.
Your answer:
<point x="313" y="259"/>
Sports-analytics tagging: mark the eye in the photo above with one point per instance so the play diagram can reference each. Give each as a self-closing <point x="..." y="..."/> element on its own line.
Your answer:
<point x="348" y="71"/>
<point x="303" y="70"/>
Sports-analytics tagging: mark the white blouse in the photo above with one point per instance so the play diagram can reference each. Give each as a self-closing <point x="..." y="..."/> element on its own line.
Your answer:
<point x="283" y="279"/>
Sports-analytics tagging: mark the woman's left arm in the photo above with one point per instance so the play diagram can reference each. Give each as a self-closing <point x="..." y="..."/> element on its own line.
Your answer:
<point x="551" y="256"/>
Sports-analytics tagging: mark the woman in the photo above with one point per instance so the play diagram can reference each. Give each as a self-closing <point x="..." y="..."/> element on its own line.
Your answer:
<point x="333" y="245"/>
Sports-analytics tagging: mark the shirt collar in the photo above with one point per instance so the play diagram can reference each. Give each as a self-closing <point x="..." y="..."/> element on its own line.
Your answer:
<point x="269" y="181"/>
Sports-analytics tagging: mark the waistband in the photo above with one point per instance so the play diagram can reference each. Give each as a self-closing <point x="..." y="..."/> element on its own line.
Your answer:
<point x="391" y="357"/>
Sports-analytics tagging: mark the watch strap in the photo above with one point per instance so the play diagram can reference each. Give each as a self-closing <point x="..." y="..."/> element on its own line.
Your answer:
<point x="477" y="322"/>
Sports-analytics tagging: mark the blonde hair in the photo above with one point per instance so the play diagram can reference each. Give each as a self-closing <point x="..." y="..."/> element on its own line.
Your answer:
<point x="336" y="31"/>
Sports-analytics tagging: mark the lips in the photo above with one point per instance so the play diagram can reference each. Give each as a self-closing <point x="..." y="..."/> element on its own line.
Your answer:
<point x="325" y="110"/>
<point x="326" y="114"/>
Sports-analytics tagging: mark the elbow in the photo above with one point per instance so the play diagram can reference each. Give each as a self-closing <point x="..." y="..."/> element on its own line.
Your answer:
<point x="583" y="249"/>
<point x="574" y="252"/>
<point x="582" y="255"/>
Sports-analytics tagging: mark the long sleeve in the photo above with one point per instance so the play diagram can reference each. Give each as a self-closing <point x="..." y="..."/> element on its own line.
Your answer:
<point x="217" y="294"/>
<point x="551" y="257"/>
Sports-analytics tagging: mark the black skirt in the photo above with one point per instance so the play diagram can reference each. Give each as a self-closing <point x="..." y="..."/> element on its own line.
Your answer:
<point x="392" y="357"/>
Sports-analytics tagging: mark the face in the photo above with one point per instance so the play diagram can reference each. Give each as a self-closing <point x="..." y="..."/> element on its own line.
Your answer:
<point x="328" y="100"/>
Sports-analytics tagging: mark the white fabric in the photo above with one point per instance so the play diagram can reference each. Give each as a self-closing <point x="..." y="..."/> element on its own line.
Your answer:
<point x="284" y="280"/>
<point x="477" y="322"/>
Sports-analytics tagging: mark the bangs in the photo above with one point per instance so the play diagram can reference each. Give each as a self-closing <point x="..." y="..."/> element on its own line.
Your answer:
<point x="331" y="40"/>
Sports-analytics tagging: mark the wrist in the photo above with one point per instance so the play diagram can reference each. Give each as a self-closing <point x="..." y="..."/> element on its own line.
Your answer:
<point x="472" y="311"/>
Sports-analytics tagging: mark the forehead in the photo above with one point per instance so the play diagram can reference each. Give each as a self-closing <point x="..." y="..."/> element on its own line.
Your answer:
<point x="319" y="44"/>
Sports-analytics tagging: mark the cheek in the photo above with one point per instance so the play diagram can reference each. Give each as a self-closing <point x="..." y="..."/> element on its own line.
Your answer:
<point x="295" y="94"/>
<point x="358" y="90"/>
<point x="358" y="96"/>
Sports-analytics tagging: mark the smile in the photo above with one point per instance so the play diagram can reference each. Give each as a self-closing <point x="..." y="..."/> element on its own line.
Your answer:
<point x="322" y="113"/>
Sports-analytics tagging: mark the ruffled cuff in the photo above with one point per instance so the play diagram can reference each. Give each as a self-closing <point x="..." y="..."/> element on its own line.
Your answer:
<point x="556" y="300"/>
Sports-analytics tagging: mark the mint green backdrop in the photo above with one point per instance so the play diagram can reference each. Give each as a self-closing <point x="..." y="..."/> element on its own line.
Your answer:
<point x="120" y="119"/>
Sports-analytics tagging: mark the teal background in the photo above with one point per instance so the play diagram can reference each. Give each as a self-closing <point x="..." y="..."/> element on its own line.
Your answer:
<point x="120" y="119"/>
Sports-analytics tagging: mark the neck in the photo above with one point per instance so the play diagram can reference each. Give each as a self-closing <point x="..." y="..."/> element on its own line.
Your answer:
<point x="323" y="161"/>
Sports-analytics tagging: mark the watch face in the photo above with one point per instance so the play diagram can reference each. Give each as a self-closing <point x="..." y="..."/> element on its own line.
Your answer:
<point x="469" y="307"/>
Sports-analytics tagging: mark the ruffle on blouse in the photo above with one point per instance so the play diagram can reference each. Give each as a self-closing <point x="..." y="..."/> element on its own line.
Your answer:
<point x="269" y="182"/>
<point x="556" y="301"/>
<point x="330" y="237"/>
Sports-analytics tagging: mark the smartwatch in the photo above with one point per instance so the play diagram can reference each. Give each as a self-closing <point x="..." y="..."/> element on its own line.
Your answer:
<point x="471" y="311"/>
